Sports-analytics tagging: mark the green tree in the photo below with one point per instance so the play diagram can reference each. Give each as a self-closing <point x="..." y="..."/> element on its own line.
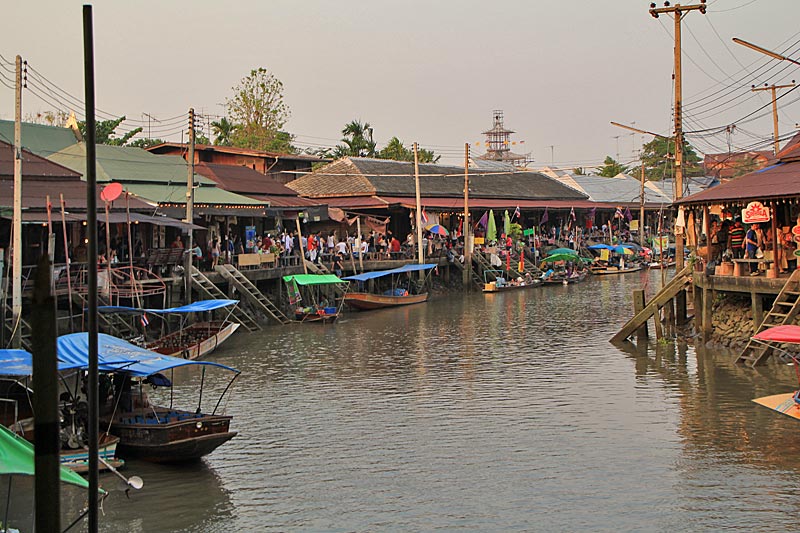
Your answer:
<point x="223" y="130"/>
<point x="259" y="113"/>
<point x="104" y="132"/>
<point x="611" y="168"/>
<point x="357" y="139"/>
<point x="395" y="150"/>
<point x="146" y="143"/>
<point x="658" y="157"/>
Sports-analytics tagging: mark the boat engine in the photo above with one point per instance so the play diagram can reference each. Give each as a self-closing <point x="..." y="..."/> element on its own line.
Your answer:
<point x="74" y="417"/>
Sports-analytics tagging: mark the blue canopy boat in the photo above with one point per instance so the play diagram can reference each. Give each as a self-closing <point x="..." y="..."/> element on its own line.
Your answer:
<point x="191" y="341"/>
<point x="398" y="293"/>
<point x="16" y="412"/>
<point x="153" y="433"/>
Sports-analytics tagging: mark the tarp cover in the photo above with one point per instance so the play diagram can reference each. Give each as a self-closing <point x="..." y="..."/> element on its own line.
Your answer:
<point x="117" y="355"/>
<point x="195" y="307"/>
<point x="17" y="458"/>
<point x="313" y="279"/>
<point x="20" y="363"/>
<point x="380" y="273"/>
<point x="786" y="333"/>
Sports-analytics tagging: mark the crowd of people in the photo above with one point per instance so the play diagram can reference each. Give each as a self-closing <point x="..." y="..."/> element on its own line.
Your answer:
<point x="731" y="240"/>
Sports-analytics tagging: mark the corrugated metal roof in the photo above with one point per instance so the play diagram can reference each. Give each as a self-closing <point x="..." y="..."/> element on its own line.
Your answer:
<point x="621" y="189"/>
<point x="32" y="165"/>
<point x="40" y="139"/>
<point x="35" y="192"/>
<point x="160" y="148"/>
<point x="163" y="193"/>
<point x="242" y="180"/>
<point x="778" y="181"/>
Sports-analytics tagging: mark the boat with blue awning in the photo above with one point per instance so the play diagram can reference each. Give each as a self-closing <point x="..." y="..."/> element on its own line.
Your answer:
<point x="193" y="339"/>
<point x="163" y="434"/>
<point x="401" y="288"/>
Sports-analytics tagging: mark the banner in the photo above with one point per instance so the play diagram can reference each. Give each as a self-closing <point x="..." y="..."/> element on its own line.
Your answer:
<point x="377" y="224"/>
<point x="294" y="292"/>
<point x="527" y="232"/>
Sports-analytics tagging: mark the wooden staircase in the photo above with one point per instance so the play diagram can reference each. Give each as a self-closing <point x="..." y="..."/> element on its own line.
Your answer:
<point x="784" y="310"/>
<point x="248" y="289"/>
<point x="319" y="268"/>
<point x="207" y="287"/>
<point x="670" y="290"/>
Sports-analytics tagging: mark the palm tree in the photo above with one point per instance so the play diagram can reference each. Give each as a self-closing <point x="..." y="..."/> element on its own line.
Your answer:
<point x="223" y="130"/>
<point x="357" y="140"/>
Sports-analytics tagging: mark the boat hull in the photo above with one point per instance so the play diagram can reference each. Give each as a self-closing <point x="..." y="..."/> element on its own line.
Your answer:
<point x="365" y="301"/>
<point x="195" y="341"/>
<point x="78" y="460"/>
<point x="171" y="436"/>
<point x="782" y="403"/>
<point x="613" y="270"/>
<point x="492" y="288"/>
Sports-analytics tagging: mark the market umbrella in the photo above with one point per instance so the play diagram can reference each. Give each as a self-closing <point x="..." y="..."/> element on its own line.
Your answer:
<point x="601" y="247"/>
<point x="438" y="230"/>
<point x="506" y="224"/>
<point x="491" y="230"/>
<point x="562" y="251"/>
<point x="623" y="250"/>
<point x="566" y="257"/>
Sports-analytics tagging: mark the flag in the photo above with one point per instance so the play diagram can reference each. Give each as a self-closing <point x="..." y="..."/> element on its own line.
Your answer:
<point x="484" y="221"/>
<point x="572" y="213"/>
<point x="517" y="214"/>
<point x="545" y="218"/>
<point x="591" y="213"/>
<point x="144" y="320"/>
<point x="628" y="214"/>
<point x="293" y="292"/>
<point x="423" y="217"/>
<point x="460" y="227"/>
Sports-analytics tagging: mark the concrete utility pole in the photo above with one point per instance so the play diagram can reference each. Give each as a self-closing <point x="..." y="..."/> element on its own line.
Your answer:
<point x="467" y="279"/>
<point x="420" y="251"/>
<point x="189" y="257"/>
<point x="773" y="88"/>
<point x="16" y="230"/>
<point x="678" y="12"/>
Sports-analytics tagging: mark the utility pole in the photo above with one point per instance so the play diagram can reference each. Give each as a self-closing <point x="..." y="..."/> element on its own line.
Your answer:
<point x="16" y="250"/>
<point x="773" y="88"/>
<point x="189" y="257"/>
<point x="149" y="118"/>
<point x="420" y="251"/>
<point x="467" y="279"/>
<point x="641" y="208"/>
<point x="678" y="12"/>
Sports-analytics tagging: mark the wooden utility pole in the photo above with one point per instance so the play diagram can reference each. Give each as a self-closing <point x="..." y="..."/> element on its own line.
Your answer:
<point x="678" y="12"/>
<point x="300" y="244"/>
<point x="16" y="230"/>
<point x="773" y="88"/>
<point x="641" y="208"/>
<point x="420" y="251"/>
<point x="467" y="272"/>
<point x="189" y="257"/>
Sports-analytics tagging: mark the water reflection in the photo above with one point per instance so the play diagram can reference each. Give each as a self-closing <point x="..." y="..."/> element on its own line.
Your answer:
<point x="487" y="412"/>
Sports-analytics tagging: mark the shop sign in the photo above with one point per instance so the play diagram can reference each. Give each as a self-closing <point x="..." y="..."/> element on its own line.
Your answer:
<point x="755" y="212"/>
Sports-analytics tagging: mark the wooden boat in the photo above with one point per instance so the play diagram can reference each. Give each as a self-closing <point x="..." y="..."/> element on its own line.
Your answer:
<point x="787" y="403"/>
<point x="398" y="294"/>
<point x="659" y="264"/>
<point x="604" y="271"/>
<point x="564" y="279"/>
<point x="162" y="435"/>
<point x="152" y="433"/>
<point x="365" y="301"/>
<point x="501" y="285"/>
<point x="194" y="341"/>
<point x="316" y="314"/>
<point x="315" y="287"/>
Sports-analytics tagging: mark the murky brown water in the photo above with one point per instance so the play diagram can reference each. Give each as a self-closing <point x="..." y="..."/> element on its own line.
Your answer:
<point x="505" y="412"/>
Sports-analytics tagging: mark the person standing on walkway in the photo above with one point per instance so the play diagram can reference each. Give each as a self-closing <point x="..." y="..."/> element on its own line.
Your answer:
<point x="752" y="242"/>
<point x="736" y="239"/>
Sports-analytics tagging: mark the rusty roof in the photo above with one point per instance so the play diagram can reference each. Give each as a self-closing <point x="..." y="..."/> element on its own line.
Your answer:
<point x="169" y="146"/>
<point x="243" y="180"/>
<point x="780" y="180"/>
<point x="32" y="165"/>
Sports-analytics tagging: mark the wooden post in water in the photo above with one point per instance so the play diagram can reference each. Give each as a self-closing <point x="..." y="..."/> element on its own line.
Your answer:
<point x="708" y="296"/>
<point x="638" y="305"/>
<point x="467" y="273"/>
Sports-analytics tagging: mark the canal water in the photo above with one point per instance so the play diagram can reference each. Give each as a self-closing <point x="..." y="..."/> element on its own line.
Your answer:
<point x="500" y="412"/>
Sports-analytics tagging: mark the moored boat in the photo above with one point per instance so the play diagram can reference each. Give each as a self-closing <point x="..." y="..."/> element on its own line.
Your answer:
<point x="191" y="340"/>
<point x="400" y="292"/>
<point x="500" y="284"/>
<point x="317" y="291"/>
<point x="787" y="403"/>
<point x="153" y="433"/>
<point x="606" y="270"/>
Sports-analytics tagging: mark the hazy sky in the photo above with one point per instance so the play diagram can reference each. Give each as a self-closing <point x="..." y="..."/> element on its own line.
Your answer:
<point x="430" y="71"/>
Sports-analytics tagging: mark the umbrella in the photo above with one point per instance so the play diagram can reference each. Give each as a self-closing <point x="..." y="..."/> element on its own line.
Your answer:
<point x="623" y="250"/>
<point x="569" y="251"/>
<point x="491" y="229"/>
<point x="601" y="247"/>
<point x="566" y="257"/>
<point x="506" y="224"/>
<point x="438" y="230"/>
